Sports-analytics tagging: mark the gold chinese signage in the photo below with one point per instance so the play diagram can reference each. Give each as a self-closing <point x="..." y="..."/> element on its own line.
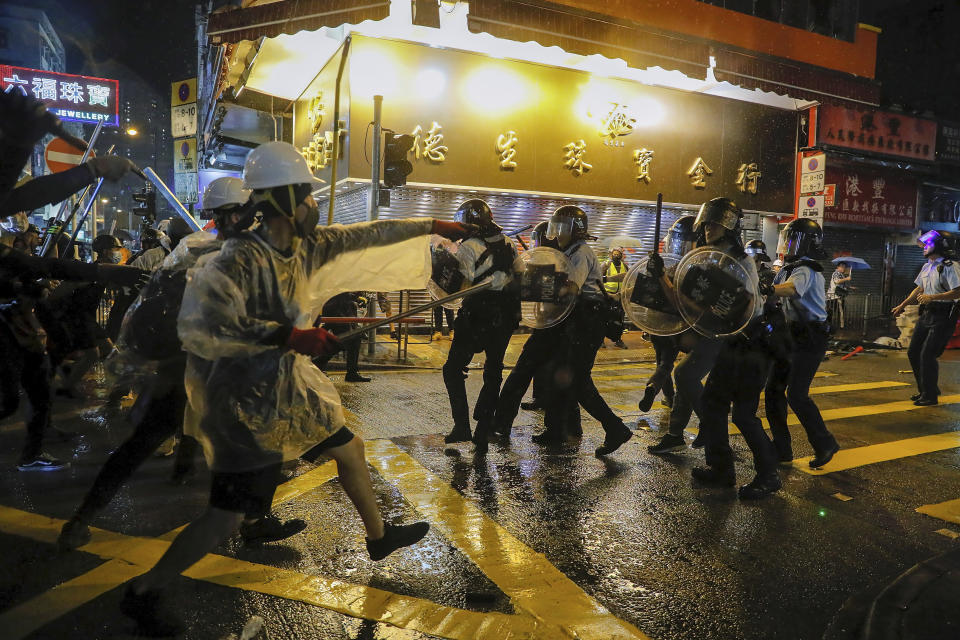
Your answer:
<point x="486" y="123"/>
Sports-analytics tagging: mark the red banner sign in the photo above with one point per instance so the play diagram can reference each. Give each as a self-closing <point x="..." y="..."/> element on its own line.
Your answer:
<point x="871" y="197"/>
<point x="883" y="132"/>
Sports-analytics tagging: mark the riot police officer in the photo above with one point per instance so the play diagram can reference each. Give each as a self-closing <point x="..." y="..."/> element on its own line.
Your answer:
<point x="584" y="333"/>
<point x="484" y="323"/>
<point x="938" y="286"/>
<point x="801" y="283"/>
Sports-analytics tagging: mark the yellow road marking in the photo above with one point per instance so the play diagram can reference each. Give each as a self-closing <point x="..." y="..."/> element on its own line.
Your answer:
<point x="633" y="387"/>
<point x="949" y="510"/>
<point x="872" y="454"/>
<point x="130" y="556"/>
<point x="533" y="584"/>
<point x="307" y="482"/>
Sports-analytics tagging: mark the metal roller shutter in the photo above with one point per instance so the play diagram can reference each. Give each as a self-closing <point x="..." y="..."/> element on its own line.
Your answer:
<point x="864" y="306"/>
<point x="909" y="262"/>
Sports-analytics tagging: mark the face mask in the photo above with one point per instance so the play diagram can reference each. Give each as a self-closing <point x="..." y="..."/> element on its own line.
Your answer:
<point x="114" y="257"/>
<point x="309" y="222"/>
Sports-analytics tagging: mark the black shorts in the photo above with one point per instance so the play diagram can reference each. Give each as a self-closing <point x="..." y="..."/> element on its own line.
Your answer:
<point x="247" y="492"/>
<point x="338" y="439"/>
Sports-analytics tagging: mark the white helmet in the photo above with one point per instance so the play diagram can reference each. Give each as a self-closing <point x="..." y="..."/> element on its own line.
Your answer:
<point x="224" y="192"/>
<point x="275" y="164"/>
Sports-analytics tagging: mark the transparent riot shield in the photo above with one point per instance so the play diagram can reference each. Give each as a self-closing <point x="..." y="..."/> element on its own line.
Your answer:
<point x="716" y="294"/>
<point x="646" y="303"/>
<point x="446" y="277"/>
<point x="546" y="294"/>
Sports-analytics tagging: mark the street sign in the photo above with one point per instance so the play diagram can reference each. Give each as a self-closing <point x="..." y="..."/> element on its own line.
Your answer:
<point x="183" y="92"/>
<point x="183" y="120"/>
<point x="812" y="173"/>
<point x="812" y="207"/>
<point x="829" y="195"/>
<point x="185" y="187"/>
<point x="185" y="155"/>
<point x="61" y="156"/>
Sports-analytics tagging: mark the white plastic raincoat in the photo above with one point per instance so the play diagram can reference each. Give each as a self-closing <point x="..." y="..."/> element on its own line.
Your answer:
<point x="254" y="401"/>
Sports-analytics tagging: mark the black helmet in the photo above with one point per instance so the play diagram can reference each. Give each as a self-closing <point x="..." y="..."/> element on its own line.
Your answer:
<point x="757" y="249"/>
<point x="105" y="242"/>
<point x="801" y="238"/>
<point x="539" y="235"/>
<point x="942" y="243"/>
<point x="567" y="224"/>
<point x="177" y="230"/>
<point x="477" y="212"/>
<point x="681" y="236"/>
<point x="724" y="212"/>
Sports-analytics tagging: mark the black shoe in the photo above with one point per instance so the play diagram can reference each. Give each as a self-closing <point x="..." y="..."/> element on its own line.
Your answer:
<point x="547" y="438"/>
<point x="614" y="440"/>
<point x="153" y="620"/>
<point x="926" y="402"/>
<point x="760" y="487"/>
<point x="620" y="344"/>
<point x="647" y="400"/>
<point x="457" y="435"/>
<point x="785" y="459"/>
<point x="353" y="376"/>
<point x="396" y="537"/>
<point x="480" y="439"/>
<point x="73" y="534"/>
<point x="41" y="462"/>
<point x="717" y="477"/>
<point x="667" y="444"/>
<point x="270" y="529"/>
<point x="822" y="458"/>
<point x="916" y="397"/>
<point x="699" y="442"/>
<point x="533" y="405"/>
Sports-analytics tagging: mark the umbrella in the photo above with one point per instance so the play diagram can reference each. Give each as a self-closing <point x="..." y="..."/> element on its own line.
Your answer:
<point x="623" y="241"/>
<point x="855" y="263"/>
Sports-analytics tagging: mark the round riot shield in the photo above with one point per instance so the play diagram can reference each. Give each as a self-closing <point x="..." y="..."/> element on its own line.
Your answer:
<point x="646" y="303"/>
<point x="446" y="277"/>
<point x="717" y="296"/>
<point x="546" y="294"/>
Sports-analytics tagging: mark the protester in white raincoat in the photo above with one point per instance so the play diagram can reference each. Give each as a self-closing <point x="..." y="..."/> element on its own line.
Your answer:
<point x="259" y="398"/>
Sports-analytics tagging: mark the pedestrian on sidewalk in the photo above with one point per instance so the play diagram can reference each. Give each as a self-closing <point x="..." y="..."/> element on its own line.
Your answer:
<point x="614" y="270"/>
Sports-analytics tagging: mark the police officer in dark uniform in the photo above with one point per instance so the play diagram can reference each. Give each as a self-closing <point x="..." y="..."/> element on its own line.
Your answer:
<point x="801" y="283"/>
<point x="584" y="331"/>
<point x="484" y="323"/>
<point x="938" y="286"/>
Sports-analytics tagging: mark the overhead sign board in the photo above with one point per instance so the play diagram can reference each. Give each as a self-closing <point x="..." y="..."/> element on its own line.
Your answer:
<point x="948" y="142"/>
<point x="881" y="132"/>
<point x="71" y="97"/>
<point x="185" y="187"/>
<point x="812" y="173"/>
<point x="185" y="155"/>
<point x="870" y="196"/>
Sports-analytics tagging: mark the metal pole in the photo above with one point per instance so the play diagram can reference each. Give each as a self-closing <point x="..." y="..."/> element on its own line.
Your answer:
<point x="866" y="309"/>
<point x="66" y="203"/>
<point x="371" y="312"/>
<point x="483" y="286"/>
<point x="169" y="196"/>
<point x="336" y="131"/>
<point x="374" y="208"/>
<point x="86" y="210"/>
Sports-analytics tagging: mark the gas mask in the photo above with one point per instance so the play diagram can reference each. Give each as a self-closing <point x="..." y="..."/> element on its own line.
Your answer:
<point x="310" y="221"/>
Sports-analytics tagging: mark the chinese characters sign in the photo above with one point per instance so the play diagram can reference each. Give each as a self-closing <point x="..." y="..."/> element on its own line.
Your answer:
<point x="871" y="196"/>
<point x="948" y="142"/>
<point x="70" y="97"/>
<point x="883" y="132"/>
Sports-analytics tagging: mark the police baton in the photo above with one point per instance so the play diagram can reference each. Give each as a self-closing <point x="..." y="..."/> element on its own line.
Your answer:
<point x="366" y="328"/>
<point x="656" y="228"/>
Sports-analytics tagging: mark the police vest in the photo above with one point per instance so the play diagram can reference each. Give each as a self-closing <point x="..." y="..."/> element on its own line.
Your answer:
<point x="612" y="270"/>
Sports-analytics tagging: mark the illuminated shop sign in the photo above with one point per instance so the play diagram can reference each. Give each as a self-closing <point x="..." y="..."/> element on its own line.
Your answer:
<point x="72" y="97"/>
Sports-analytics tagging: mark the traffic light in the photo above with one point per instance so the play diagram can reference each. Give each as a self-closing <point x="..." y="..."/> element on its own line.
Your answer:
<point x="396" y="167"/>
<point x="147" y="204"/>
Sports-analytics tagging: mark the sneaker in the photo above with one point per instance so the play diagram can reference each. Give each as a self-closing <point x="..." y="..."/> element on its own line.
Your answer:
<point x="613" y="441"/>
<point x="396" y="537"/>
<point x="667" y="444"/>
<point x="41" y="462"/>
<point x="73" y="534"/>
<point x="760" y="487"/>
<point x="270" y="529"/>
<point x="716" y="477"/>
<point x="153" y="620"/>
<point x="457" y="435"/>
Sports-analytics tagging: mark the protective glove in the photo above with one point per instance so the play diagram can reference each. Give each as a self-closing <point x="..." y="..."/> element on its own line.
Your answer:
<point x="122" y="275"/>
<point x="24" y="119"/>
<point x="766" y="287"/>
<point x="655" y="265"/>
<point x="454" y="230"/>
<point x="110" y="167"/>
<point x="314" y="342"/>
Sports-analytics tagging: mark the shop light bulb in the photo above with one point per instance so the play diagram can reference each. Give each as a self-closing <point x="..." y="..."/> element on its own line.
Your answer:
<point x="429" y="84"/>
<point x="494" y="90"/>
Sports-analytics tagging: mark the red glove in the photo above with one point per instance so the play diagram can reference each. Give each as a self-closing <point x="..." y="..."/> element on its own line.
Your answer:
<point x="314" y="342"/>
<point x="453" y="230"/>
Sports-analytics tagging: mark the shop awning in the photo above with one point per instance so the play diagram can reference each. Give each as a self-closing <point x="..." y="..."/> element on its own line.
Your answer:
<point x="796" y="80"/>
<point x="587" y="34"/>
<point x="292" y="16"/>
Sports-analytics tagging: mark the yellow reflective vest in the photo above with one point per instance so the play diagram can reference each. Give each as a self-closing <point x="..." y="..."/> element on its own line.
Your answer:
<point x="612" y="270"/>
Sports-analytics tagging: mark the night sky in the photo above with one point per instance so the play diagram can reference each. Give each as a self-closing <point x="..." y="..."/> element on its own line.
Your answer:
<point x="918" y="57"/>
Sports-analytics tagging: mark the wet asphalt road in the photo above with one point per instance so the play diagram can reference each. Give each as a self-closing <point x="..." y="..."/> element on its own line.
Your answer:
<point x="636" y="543"/>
